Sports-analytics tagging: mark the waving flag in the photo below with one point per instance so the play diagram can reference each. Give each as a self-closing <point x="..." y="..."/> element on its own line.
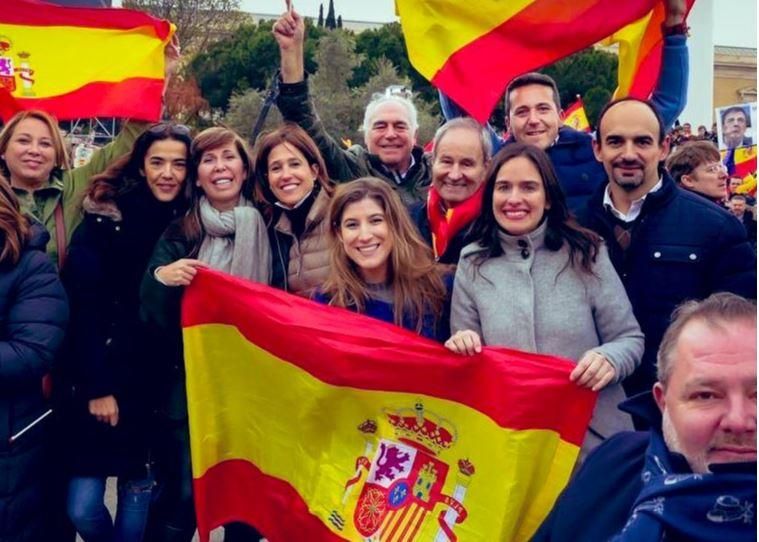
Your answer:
<point x="81" y="62"/>
<point x="314" y="423"/>
<point x="575" y="117"/>
<point x="741" y="162"/>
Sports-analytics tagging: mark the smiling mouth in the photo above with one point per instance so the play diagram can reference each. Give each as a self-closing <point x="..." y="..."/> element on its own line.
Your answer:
<point x="222" y="182"/>
<point x="289" y="187"/>
<point x="516" y="214"/>
<point x="368" y="249"/>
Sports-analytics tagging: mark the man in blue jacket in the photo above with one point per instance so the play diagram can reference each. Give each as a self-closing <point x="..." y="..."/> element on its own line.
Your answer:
<point x="667" y="244"/>
<point x="693" y="476"/>
<point x="533" y="113"/>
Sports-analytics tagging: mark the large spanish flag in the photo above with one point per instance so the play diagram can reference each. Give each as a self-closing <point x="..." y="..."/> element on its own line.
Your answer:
<point x="313" y="423"/>
<point x="472" y="50"/>
<point x="81" y="62"/>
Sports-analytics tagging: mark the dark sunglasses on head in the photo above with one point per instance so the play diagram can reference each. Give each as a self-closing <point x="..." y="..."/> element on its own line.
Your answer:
<point x="174" y="129"/>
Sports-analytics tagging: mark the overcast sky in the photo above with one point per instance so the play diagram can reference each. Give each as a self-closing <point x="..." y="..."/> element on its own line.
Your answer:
<point x="735" y="21"/>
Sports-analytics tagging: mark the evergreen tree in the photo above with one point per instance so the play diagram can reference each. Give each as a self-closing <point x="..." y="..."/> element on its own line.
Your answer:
<point x="339" y="21"/>
<point x="320" y="22"/>
<point x="330" y="22"/>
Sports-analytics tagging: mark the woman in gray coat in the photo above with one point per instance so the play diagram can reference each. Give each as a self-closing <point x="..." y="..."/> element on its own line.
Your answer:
<point x="536" y="281"/>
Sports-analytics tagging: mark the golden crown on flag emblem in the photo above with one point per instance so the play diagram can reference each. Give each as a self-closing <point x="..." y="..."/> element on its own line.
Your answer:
<point x="417" y="427"/>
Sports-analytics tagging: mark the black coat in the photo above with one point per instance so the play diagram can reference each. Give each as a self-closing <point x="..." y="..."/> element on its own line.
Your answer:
<point x="683" y="247"/>
<point x="33" y="315"/>
<point x="107" y="352"/>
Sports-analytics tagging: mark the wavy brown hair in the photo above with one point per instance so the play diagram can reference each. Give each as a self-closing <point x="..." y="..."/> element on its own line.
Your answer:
<point x="190" y="227"/>
<point x="414" y="277"/>
<point x="61" y="156"/>
<point x="290" y="134"/>
<point x="14" y="226"/>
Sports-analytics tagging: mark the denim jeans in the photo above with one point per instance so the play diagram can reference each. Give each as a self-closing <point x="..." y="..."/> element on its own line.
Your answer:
<point x="86" y="508"/>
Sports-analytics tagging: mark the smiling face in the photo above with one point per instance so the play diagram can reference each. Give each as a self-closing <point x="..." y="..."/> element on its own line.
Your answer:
<point x="519" y="197"/>
<point x="709" y="402"/>
<point x="30" y="154"/>
<point x="289" y="174"/>
<point x="459" y="166"/>
<point x="534" y="118"/>
<point x="221" y="174"/>
<point x="390" y="136"/>
<point x="367" y="240"/>
<point x="629" y="148"/>
<point x="165" y="168"/>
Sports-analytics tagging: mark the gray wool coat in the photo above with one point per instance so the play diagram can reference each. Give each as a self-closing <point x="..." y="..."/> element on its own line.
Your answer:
<point x="530" y="299"/>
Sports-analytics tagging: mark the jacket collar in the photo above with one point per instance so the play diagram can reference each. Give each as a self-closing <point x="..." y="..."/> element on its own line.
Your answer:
<point x="654" y="200"/>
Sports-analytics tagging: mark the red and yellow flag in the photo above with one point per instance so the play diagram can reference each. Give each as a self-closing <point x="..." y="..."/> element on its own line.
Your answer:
<point x="741" y="162"/>
<point x="81" y="62"/>
<point x="472" y="50"/>
<point x="575" y="117"/>
<point x="314" y="423"/>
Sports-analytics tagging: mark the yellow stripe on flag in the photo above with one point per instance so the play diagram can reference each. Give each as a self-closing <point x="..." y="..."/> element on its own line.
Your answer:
<point x="443" y="27"/>
<point x="58" y="63"/>
<point x="629" y="39"/>
<point x="248" y="404"/>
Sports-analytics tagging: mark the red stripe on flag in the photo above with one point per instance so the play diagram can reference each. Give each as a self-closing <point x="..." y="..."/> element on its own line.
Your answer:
<point x="33" y="13"/>
<point x="543" y="32"/>
<point x="236" y="490"/>
<point x="306" y="330"/>
<point x="137" y="98"/>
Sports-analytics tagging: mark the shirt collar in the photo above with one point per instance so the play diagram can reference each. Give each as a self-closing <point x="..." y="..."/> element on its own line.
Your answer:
<point x="635" y="207"/>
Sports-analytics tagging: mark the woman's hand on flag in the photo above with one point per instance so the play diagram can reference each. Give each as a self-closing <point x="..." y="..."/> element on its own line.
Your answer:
<point x="465" y="342"/>
<point x="179" y="273"/>
<point x="593" y="371"/>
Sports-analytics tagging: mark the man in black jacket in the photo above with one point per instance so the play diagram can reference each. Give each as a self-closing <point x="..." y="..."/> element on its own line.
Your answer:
<point x="667" y="244"/>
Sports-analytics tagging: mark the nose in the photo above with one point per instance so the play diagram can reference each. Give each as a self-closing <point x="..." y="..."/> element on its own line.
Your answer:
<point x="533" y="117"/>
<point x="740" y="417"/>
<point x="166" y="170"/>
<point x="455" y="172"/>
<point x="364" y="231"/>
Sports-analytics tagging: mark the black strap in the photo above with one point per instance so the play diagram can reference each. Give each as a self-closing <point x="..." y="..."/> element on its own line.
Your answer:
<point x="271" y="97"/>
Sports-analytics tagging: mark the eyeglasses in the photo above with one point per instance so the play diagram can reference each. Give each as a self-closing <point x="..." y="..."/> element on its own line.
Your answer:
<point x="716" y="167"/>
<point x="172" y="128"/>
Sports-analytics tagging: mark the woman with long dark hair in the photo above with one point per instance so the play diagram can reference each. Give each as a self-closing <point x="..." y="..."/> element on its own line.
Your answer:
<point x="379" y="265"/>
<point x="222" y="230"/>
<point x="295" y="195"/>
<point x="126" y="208"/>
<point x="537" y="281"/>
<point x="33" y="315"/>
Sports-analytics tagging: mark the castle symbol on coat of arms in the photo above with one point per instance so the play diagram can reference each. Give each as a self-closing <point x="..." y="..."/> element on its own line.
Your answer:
<point x="404" y="479"/>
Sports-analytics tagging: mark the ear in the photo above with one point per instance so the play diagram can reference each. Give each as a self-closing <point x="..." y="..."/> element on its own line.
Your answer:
<point x="597" y="149"/>
<point x="665" y="145"/>
<point x="688" y="181"/>
<point x="142" y="173"/>
<point x="315" y="171"/>
<point x="659" y="395"/>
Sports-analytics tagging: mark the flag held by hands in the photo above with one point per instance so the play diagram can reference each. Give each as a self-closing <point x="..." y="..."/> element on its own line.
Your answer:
<point x="315" y="423"/>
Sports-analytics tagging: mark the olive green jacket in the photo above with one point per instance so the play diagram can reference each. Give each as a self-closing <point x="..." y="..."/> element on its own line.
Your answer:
<point x="344" y="165"/>
<point x="69" y="188"/>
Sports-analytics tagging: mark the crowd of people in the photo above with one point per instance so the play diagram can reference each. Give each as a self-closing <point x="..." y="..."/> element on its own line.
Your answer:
<point x="550" y="242"/>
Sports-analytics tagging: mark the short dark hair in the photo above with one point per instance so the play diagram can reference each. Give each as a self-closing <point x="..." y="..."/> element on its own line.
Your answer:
<point x="733" y="108"/>
<point x="718" y="311"/>
<point x="647" y="103"/>
<point x="738" y="196"/>
<point x="689" y="156"/>
<point x="532" y="78"/>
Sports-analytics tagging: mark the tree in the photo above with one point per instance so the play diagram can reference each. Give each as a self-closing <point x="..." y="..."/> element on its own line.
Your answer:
<point x="320" y="22"/>
<point x="246" y="59"/>
<point x="340" y="21"/>
<point x="243" y="112"/>
<point x="330" y="21"/>
<point x="199" y="22"/>
<point x="184" y="102"/>
<point x="592" y="73"/>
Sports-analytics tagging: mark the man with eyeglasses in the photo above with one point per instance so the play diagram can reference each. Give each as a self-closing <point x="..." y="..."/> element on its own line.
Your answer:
<point x="390" y="124"/>
<point x="696" y="166"/>
<point x="667" y="244"/>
